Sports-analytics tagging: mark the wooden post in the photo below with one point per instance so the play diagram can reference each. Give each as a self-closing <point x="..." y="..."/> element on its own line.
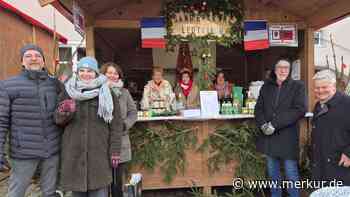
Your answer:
<point x="33" y="34"/>
<point x="309" y="65"/>
<point x="90" y="36"/>
<point x="307" y="72"/>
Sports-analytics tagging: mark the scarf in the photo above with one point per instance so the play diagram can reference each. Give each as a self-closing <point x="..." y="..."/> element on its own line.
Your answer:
<point x="186" y="88"/>
<point x="81" y="91"/>
<point x="223" y="90"/>
<point x="156" y="86"/>
<point x="117" y="87"/>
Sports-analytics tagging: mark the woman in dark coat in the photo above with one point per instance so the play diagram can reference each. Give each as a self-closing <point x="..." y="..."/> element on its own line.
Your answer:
<point x="281" y="104"/>
<point x="91" y="141"/>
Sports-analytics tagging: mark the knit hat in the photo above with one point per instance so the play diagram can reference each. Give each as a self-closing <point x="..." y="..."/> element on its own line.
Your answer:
<point x="34" y="47"/>
<point x="88" y="62"/>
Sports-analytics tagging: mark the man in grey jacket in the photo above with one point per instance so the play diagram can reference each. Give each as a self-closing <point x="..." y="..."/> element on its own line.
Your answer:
<point x="27" y="105"/>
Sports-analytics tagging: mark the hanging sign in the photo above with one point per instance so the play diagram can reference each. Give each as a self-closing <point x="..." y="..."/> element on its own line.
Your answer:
<point x="283" y="35"/>
<point x="185" y="24"/>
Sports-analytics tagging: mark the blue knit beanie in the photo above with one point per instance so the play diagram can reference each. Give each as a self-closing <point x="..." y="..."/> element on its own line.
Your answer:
<point x="88" y="62"/>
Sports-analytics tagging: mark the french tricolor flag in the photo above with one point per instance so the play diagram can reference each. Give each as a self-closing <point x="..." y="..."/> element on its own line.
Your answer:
<point x="153" y="32"/>
<point x="255" y="35"/>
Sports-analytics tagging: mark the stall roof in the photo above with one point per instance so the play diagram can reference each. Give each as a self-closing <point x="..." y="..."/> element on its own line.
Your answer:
<point x="315" y="13"/>
<point x="30" y="20"/>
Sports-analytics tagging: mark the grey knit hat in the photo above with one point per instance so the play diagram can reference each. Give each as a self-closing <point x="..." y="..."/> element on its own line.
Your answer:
<point x="34" y="47"/>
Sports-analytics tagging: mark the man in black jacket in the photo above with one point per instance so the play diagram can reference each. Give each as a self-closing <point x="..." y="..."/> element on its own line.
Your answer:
<point x="281" y="104"/>
<point x="330" y="131"/>
<point x="27" y="105"/>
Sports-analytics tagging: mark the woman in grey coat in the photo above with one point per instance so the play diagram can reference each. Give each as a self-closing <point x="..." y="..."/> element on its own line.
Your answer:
<point x="129" y="116"/>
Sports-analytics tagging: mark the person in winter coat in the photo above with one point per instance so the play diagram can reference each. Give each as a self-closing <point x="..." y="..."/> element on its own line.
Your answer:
<point x="330" y="131"/>
<point x="128" y="114"/>
<point x="27" y="104"/>
<point x="187" y="91"/>
<point x="223" y="87"/>
<point x="157" y="89"/>
<point x="91" y="141"/>
<point x="280" y="105"/>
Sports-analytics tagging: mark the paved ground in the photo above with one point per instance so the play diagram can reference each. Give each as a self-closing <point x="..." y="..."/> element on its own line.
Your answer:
<point x="33" y="190"/>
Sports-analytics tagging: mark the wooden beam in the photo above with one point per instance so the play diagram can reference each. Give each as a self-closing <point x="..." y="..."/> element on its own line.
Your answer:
<point x="120" y="24"/>
<point x="266" y="1"/>
<point x="112" y="5"/>
<point x="46" y="2"/>
<point x="329" y="14"/>
<point x="308" y="65"/>
<point x="34" y="34"/>
<point x="90" y="36"/>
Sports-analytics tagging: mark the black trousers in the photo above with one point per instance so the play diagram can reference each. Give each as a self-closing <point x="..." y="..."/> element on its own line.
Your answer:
<point x="118" y="177"/>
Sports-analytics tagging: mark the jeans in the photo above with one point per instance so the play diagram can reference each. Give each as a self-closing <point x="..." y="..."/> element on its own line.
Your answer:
<point x="291" y="172"/>
<point x="102" y="192"/>
<point x="22" y="172"/>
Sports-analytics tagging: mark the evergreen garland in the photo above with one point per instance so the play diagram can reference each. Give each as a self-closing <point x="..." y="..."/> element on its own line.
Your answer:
<point x="236" y="143"/>
<point x="165" y="146"/>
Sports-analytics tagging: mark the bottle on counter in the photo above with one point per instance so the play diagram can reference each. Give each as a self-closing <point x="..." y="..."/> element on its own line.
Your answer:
<point x="179" y="103"/>
<point x="250" y="103"/>
<point x="229" y="108"/>
<point x="236" y="107"/>
<point x="222" y="109"/>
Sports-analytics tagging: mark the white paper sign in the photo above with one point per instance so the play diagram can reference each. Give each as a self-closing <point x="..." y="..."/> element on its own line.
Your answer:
<point x="209" y="103"/>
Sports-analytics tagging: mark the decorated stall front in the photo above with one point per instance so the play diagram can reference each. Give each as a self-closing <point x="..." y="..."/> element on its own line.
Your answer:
<point x="224" y="48"/>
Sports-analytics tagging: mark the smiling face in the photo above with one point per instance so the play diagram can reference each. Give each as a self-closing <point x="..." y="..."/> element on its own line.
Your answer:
<point x="220" y="80"/>
<point x="86" y="74"/>
<point x="185" y="78"/>
<point x="33" y="60"/>
<point x="324" y="90"/>
<point x="157" y="76"/>
<point x="112" y="74"/>
<point x="282" y="71"/>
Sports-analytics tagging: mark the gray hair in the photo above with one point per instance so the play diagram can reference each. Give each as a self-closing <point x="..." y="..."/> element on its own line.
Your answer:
<point x="325" y="75"/>
<point x="282" y="62"/>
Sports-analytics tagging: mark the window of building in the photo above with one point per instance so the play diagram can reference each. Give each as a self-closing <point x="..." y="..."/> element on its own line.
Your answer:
<point x="65" y="54"/>
<point x="318" y="36"/>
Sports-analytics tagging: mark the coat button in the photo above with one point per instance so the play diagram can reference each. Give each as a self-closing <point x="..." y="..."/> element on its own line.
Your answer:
<point x="328" y="160"/>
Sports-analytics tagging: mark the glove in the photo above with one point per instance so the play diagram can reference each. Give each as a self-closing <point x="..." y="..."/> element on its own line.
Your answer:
<point x="115" y="159"/>
<point x="67" y="105"/>
<point x="267" y="128"/>
<point x="4" y="166"/>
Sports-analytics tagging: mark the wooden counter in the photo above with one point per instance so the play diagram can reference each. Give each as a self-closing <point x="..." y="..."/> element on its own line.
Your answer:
<point x="196" y="168"/>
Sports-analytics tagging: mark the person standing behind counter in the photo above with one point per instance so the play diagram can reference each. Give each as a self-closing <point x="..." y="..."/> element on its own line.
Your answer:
<point x="187" y="91"/>
<point x="157" y="90"/>
<point x="224" y="88"/>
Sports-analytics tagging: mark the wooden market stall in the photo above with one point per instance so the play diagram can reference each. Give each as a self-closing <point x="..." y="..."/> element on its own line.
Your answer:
<point x="17" y="29"/>
<point x="113" y="34"/>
